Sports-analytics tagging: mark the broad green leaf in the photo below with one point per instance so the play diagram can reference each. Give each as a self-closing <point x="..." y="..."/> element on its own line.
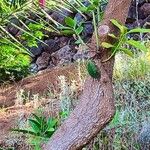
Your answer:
<point x="38" y="119"/>
<point x="93" y="70"/>
<point x="139" y="30"/>
<point x="70" y="22"/>
<point x="35" y="125"/>
<point x="79" y="30"/>
<point x="107" y="45"/>
<point x="127" y="51"/>
<point x="35" y="27"/>
<point x="137" y="44"/>
<point x="43" y="124"/>
<point x="64" y="114"/>
<point x="48" y="134"/>
<point x="118" y="25"/>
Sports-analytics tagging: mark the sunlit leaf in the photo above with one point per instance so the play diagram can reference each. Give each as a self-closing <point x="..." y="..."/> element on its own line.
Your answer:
<point x="107" y="45"/>
<point x="35" y="125"/>
<point x="70" y="22"/>
<point x="127" y="51"/>
<point x="79" y="30"/>
<point x="113" y="36"/>
<point x="118" y="25"/>
<point x="67" y="32"/>
<point x="137" y="44"/>
<point x="139" y="30"/>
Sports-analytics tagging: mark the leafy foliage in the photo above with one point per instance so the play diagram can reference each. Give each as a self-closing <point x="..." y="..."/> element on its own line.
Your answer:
<point x="14" y="63"/>
<point x="119" y="45"/>
<point x="36" y="31"/>
<point x="72" y="28"/>
<point x="16" y="3"/>
<point x="40" y="126"/>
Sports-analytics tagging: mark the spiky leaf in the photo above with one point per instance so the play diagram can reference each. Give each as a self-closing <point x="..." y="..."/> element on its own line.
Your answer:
<point x="24" y="131"/>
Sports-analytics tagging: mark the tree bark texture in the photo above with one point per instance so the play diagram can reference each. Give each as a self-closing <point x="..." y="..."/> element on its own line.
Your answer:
<point x="96" y="106"/>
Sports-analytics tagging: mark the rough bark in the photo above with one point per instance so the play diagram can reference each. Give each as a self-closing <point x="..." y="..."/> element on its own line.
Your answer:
<point x="96" y="106"/>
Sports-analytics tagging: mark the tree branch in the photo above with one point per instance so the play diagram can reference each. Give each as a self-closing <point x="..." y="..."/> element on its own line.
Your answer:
<point x="96" y="106"/>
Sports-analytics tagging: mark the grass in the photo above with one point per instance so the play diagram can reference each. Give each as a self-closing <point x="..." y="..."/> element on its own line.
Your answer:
<point x="132" y="68"/>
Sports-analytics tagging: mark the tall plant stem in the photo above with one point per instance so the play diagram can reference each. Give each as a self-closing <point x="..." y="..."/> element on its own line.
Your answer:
<point x="95" y="30"/>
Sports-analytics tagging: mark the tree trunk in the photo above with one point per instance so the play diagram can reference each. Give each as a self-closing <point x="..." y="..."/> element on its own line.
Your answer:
<point x="96" y="106"/>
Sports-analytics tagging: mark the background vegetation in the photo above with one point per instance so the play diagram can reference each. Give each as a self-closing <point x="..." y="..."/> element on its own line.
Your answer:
<point x="131" y="74"/>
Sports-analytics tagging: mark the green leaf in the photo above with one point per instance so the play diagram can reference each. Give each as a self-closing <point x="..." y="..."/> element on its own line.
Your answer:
<point x="96" y="2"/>
<point x="79" y="30"/>
<point x="107" y="45"/>
<point x="50" y="130"/>
<point x="113" y="36"/>
<point x="91" y="8"/>
<point x="118" y="25"/>
<point x="67" y="32"/>
<point x="78" y="42"/>
<point x="35" y="27"/>
<point x="83" y="9"/>
<point x="70" y="22"/>
<point x="39" y="34"/>
<point x="115" y="122"/>
<point x="137" y="44"/>
<point x="24" y="131"/>
<point x="48" y="134"/>
<point x="127" y="51"/>
<point x="35" y="125"/>
<point x="139" y="30"/>
<point x="51" y="122"/>
<point x="38" y="119"/>
<point x="93" y="70"/>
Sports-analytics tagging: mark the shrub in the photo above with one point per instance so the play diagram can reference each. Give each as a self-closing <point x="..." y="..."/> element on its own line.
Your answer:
<point x="14" y="63"/>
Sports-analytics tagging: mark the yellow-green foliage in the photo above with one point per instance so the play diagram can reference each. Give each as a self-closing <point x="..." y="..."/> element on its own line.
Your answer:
<point x="13" y="62"/>
<point x="130" y="68"/>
